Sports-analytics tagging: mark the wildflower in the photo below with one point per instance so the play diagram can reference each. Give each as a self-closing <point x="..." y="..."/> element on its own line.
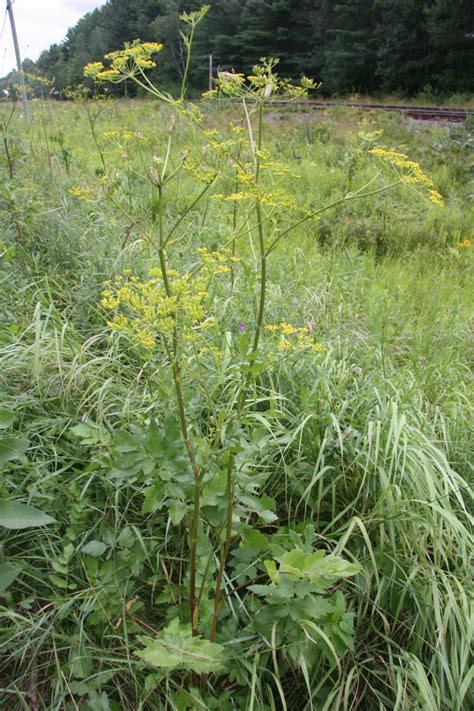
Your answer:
<point x="150" y="313"/>
<point x="410" y="172"/>
<point x="241" y="326"/>
<point x="80" y="193"/>
<point x="127" y="62"/>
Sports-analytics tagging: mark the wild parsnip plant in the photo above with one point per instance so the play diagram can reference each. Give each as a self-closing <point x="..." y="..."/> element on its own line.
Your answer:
<point x="254" y="446"/>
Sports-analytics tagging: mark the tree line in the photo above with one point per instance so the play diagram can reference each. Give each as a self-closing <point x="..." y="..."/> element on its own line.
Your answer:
<point x="368" y="46"/>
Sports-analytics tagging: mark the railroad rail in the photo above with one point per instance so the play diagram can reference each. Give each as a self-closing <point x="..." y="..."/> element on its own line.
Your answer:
<point x="427" y="113"/>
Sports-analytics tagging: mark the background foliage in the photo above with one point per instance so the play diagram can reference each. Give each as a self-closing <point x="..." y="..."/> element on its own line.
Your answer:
<point x="403" y="46"/>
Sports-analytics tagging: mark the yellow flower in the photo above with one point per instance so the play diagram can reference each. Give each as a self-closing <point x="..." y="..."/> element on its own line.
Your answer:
<point x="92" y="69"/>
<point x="410" y="172"/>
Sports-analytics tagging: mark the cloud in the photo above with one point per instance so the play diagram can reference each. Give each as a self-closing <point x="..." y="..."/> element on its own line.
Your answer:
<point x="39" y="25"/>
<point x="81" y="6"/>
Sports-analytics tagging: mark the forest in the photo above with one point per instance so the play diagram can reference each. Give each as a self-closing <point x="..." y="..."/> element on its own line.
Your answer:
<point x="405" y="47"/>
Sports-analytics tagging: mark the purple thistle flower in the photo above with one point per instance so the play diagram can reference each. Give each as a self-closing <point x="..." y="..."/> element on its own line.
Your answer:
<point x="241" y="326"/>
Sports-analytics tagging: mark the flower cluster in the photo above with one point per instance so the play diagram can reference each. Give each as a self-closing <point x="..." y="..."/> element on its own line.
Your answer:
<point x="200" y="171"/>
<point x="80" y="193"/>
<point x="263" y="83"/>
<point x="130" y="61"/>
<point x="150" y="312"/>
<point x="465" y="243"/>
<point x="294" y="337"/>
<point x="410" y="172"/>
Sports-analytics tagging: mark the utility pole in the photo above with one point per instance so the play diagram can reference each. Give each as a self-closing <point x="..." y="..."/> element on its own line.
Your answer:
<point x="18" y="59"/>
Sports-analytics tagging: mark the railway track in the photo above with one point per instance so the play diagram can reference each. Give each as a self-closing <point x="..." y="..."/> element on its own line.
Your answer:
<point x="426" y="113"/>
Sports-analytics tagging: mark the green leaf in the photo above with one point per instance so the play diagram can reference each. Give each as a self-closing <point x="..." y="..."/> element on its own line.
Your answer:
<point x="6" y="418"/>
<point x="8" y="573"/>
<point x="12" y="448"/>
<point x="98" y="702"/>
<point x="263" y="506"/>
<point x="88" y="432"/>
<point x="94" y="548"/>
<point x="177" y="648"/>
<point x="254" y="539"/>
<point x="317" y="567"/>
<point x="177" y="510"/>
<point x="14" y="515"/>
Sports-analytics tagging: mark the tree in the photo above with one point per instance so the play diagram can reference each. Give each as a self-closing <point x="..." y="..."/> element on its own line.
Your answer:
<point x="450" y="27"/>
<point x="403" y="63"/>
<point x="350" y="53"/>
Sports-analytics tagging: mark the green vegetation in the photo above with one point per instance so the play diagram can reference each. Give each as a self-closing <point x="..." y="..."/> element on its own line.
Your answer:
<point x="406" y="47"/>
<point x="235" y="432"/>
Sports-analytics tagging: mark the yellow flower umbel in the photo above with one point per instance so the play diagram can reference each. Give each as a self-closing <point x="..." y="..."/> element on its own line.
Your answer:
<point x="263" y="83"/>
<point x="150" y="315"/>
<point x="409" y="172"/>
<point x="129" y="62"/>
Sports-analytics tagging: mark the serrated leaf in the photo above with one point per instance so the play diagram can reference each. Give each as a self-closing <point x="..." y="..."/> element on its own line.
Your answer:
<point x="94" y="548"/>
<point x="153" y="498"/>
<point x="251" y="538"/>
<point x="176" y="511"/>
<point x="317" y="567"/>
<point x="8" y="573"/>
<point x="15" y="516"/>
<point x="263" y="506"/>
<point x="177" y="648"/>
<point x="7" y="418"/>
<point x="12" y="448"/>
<point x="98" y="702"/>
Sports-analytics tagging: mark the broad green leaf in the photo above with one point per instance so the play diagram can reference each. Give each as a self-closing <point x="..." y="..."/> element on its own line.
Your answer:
<point x="177" y="510"/>
<point x="177" y="648"/>
<point x="271" y="568"/>
<point x="88" y="432"/>
<point x="263" y="506"/>
<point x="251" y="538"/>
<point x="98" y="702"/>
<point x="94" y="548"/>
<point x="12" y="448"/>
<point x="6" y="418"/>
<point x="8" y="573"/>
<point x="14" y="515"/>
<point x="317" y="567"/>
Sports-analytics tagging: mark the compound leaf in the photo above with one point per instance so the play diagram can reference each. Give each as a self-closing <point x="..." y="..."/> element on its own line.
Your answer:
<point x="177" y="648"/>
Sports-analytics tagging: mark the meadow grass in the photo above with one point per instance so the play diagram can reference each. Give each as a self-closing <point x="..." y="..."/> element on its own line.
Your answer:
<point x="370" y="441"/>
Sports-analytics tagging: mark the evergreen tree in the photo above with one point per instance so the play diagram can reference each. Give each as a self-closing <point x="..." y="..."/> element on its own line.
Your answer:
<point x="450" y="27"/>
<point x="350" y="53"/>
<point x="403" y="62"/>
<point x="351" y="45"/>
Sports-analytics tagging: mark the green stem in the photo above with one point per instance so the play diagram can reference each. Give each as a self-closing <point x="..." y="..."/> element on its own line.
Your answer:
<point x="345" y="198"/>
<point x="248" y="378"/>
<point x="193" y="605"/>
<point x="225" y="548"/>
<point x="186" y="212"/>
<point x="94" y="136"/>
<point x="189" y="42"/>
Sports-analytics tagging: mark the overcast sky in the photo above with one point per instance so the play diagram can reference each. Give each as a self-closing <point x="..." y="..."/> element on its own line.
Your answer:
<point x="39" y="23"/>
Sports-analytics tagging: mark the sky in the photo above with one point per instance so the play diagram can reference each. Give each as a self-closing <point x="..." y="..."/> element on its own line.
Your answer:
<point x="39" y="23"/>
